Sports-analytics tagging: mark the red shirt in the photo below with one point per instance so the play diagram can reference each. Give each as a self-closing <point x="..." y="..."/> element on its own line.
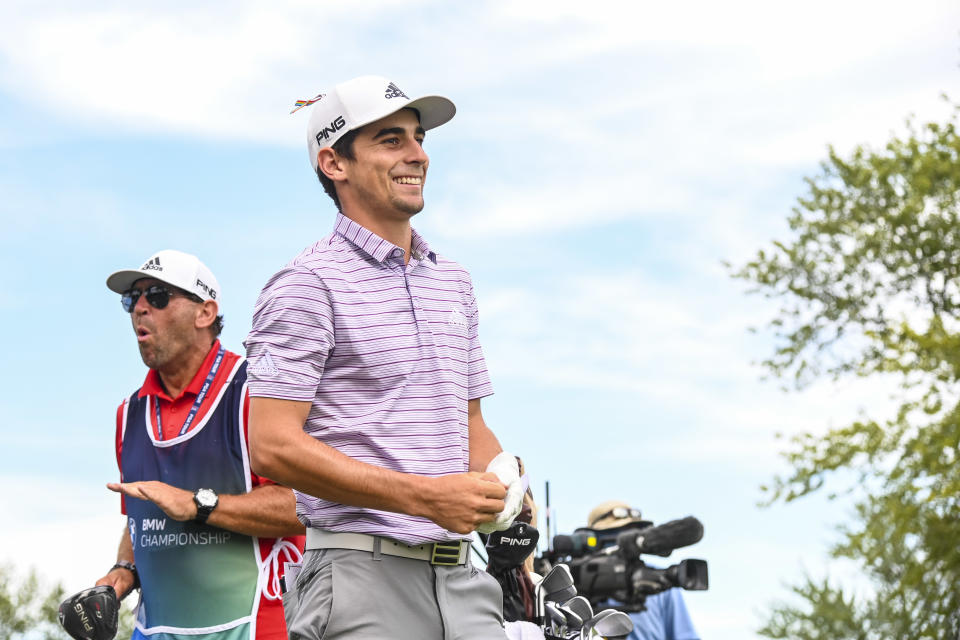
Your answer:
<point x="173" y="414"/>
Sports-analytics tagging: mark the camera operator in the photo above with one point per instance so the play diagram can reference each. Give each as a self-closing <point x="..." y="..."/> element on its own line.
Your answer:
<point x="665" y="617"/>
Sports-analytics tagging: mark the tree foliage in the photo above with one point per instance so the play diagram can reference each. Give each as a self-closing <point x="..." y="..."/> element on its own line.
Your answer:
<point x="28" y="609"/>
<point x="869" y="285"/>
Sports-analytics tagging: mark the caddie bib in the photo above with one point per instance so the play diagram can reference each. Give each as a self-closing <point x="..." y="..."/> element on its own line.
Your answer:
<point x="199" y="582"/>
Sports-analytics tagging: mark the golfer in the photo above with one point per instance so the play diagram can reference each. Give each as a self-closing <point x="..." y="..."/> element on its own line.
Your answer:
<point x="366" y="378"/>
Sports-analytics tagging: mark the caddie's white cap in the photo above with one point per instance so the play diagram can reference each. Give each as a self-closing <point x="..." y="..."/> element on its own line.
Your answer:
<point x="173" y="267"/>
<point x="355" y="103"/>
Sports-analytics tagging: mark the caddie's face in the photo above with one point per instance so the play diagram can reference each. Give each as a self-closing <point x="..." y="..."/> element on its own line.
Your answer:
<point x="390" y="167"/>
<point x="163" y="335"/>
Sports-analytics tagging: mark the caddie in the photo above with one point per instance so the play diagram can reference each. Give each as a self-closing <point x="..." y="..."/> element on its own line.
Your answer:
<point x="206" y="538"/>
<point x="366" y="378"/>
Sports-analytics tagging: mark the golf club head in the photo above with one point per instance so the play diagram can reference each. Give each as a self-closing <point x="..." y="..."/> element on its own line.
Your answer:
<point x="588" y="632"/>
<point x="580" y="606"/>
<point x="91" y="614"/>
<point x="600" y="615"/>
<point x="557" y="585"/>
<point x="561" y="596"/>
<point x="554" y="622"/>
<point x="573" y="619"/>
<point x="556" y="579"/>
<point x="610" y="624"/>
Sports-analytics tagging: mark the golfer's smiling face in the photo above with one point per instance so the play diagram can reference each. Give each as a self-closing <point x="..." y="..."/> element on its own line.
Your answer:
<point x="390" y="167"/>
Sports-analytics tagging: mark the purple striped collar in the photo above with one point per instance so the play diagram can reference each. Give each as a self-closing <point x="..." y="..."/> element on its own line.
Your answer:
<point x="375" y="246"/>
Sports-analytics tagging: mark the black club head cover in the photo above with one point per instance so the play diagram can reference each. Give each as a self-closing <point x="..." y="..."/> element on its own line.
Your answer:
<point x="91" y="614"/>
<point x="509" y="548"/>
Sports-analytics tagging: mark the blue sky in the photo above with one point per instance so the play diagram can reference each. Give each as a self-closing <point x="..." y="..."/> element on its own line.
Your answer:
<point x="604" y="160"/>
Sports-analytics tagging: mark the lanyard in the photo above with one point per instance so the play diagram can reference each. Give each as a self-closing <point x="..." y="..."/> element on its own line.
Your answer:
<point x="196" y="403"/>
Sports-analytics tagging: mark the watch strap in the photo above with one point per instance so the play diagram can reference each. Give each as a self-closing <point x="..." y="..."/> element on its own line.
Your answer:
<point x="129" y="566"/>
<point x="204" y="511"/>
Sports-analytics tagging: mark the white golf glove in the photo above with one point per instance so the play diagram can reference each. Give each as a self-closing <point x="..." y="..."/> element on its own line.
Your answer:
<point x="507" y="470"/>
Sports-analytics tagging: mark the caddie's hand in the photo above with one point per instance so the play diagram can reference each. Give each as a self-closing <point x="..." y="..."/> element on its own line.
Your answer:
<point x="120" y="579"/>
<point x="462" y="501"/>
<point x="176" y="503"/>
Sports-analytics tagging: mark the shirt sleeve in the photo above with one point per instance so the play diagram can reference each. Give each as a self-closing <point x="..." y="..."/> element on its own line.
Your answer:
<point x="665" y="618"/>
<point x="677" y="620"/>
<point x="291" y="336"/>
<point x="478" y="380"/>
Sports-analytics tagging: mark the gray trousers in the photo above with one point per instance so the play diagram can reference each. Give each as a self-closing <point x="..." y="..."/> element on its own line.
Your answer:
<point x="341" y="593"/>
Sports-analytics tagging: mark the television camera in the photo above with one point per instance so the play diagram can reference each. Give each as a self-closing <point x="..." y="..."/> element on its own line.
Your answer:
<point x="607" y="568"/>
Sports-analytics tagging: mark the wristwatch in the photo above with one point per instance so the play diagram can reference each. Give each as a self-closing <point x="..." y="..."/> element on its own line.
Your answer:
<point x="206" y="501"/>
<point x="129" y="566"/>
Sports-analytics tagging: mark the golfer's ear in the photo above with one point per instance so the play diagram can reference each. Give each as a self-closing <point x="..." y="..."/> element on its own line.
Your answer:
<point x="331" y="164"/>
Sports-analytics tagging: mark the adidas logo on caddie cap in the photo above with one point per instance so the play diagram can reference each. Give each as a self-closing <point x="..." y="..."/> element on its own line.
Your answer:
<point x="153" y="263"/>
<point x="393" y="91"/>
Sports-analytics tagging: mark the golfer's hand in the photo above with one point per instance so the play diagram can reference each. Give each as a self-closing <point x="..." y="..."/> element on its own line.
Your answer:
<point x="176" y="503"/>
<point x="463" y="501"/>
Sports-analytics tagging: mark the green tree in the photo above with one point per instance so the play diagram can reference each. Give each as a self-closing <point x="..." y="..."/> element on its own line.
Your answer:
<point x="867" y="285"/>
<point x="28" y="609"/>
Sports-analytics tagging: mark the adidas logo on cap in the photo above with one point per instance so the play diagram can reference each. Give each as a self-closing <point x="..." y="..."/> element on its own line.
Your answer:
<point x="355" y="103"/>
<point x="152" y="264"/>
<point x="393" y="91"/>
<point x="176" y="268"/>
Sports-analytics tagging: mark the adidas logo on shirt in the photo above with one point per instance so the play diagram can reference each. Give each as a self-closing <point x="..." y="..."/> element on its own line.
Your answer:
<point x="393" y="91"/>
<point x="153" y="263"/>
<point x="264" y="366"/>
<point x="457" y="319"/>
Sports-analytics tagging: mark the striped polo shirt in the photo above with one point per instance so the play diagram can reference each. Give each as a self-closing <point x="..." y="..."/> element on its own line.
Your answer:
<point x="388" y="355"/>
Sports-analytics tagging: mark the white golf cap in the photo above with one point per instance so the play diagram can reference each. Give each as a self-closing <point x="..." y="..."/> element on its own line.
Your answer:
<point x="173" y="267"/>
<point x="355" y="103"/>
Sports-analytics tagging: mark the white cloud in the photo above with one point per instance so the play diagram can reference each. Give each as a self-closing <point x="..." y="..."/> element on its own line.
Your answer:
<point x="190" y="68"/>
<point x="559" y="202"/>
<point x="203" y="70"/>
<point x="637" y="109"/>
<point x="792" y="39"/>
<point x="681" y="356"/>
<point x="603" y="325"/>
<point x="68" y="532"/>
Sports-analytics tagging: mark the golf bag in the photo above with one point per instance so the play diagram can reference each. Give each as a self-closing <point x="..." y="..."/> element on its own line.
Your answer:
<point x="506" y="552"/>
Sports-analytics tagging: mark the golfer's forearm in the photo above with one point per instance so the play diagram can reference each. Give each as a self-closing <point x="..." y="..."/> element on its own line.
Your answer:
<point x="269" y="511"/>
<point x="281" y="451"/>
<point x="484" y="445"/>
<point x="321" y="471"/>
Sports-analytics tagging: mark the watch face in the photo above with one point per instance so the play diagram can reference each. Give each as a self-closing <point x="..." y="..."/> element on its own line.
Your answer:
<point x="206" y="497"/>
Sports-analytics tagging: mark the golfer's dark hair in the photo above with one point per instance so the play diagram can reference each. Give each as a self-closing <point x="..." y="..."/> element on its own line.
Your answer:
<point x="344" y="148"/>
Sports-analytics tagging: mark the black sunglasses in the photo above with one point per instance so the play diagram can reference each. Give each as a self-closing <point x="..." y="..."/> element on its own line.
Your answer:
<point x="156" y="294"/>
